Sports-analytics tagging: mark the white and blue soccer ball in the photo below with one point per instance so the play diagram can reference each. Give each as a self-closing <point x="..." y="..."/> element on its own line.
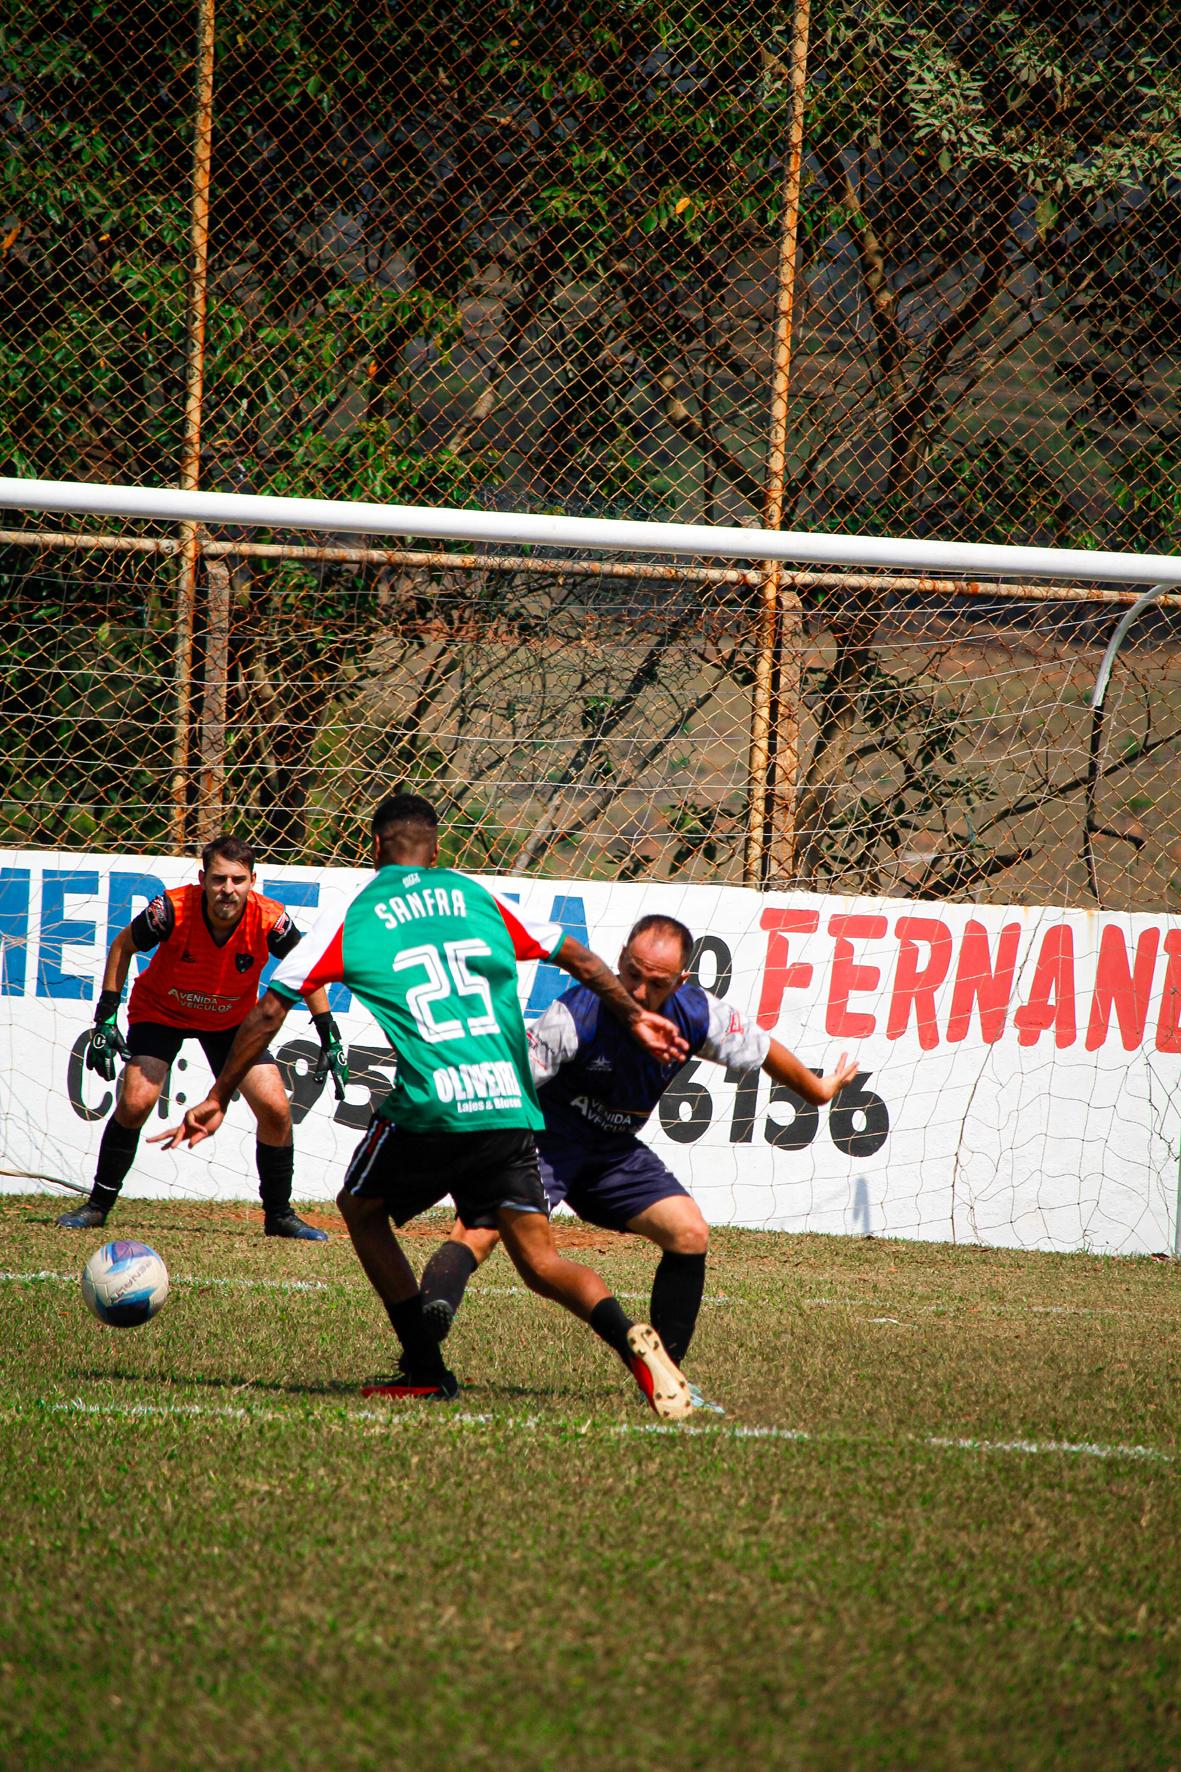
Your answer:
<point x="124" y="1284"/>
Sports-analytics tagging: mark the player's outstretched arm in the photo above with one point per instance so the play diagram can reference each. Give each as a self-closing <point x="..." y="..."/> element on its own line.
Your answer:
<point x="783" y="1066"/>
<point x="663" y="1039"/>
<point x="105" y="1042"/>
<point x="255" y="1033"/>
<point x="118" y="964"/>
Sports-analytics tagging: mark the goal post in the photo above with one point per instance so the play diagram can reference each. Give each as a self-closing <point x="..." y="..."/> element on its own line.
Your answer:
<point x="577" y="696"/>
<point x="906" y="565"/>
<point x="528" y="529"/>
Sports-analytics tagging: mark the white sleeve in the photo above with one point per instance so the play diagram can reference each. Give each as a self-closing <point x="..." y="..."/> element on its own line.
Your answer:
<point x="732" y="1040"/>
<point x="316" y="960"/>
<point x="532" y="939"/>
<point x="553" y="1042"/>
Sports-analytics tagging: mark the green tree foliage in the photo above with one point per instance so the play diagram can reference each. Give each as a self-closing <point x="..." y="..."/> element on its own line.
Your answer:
<point x="462" y="254"/>
<point x="1002" y="182"/>
<point x="991" y="251"/>
<point x="590" y="182"/>
<point x="593" y="180"/>
<point x="85" y="704"/>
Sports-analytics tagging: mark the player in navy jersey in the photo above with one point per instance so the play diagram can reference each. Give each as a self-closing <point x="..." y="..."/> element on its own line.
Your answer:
<point x="596" y="1090"/>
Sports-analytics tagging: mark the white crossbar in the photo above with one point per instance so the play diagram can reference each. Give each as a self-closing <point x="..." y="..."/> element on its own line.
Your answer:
<point x="971" y="560"/>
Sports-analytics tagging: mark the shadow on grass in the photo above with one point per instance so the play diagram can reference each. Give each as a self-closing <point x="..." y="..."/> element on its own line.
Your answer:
<point x="336" y="1388"/>
<point x="130" y="1227"/>
<point x="230" y="1381"/>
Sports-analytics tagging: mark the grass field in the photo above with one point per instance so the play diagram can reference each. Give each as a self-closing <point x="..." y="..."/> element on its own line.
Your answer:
<point x="937" y="1527"/>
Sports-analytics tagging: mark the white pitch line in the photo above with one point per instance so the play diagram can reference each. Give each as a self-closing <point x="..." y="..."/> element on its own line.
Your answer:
<point x="1067" y="1448"/>
<point x="959" y="1314"/>
<point x="389" y="1417"/>
<point x="44" y="1275"/>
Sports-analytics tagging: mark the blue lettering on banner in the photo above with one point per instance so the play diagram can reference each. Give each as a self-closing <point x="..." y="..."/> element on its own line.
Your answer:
<point x="550" y="981"/>
<point x="14" y="930"/>
<point x="59" y="932"/>
<point x="122" y="892"/>
<point x="301" y="895"/>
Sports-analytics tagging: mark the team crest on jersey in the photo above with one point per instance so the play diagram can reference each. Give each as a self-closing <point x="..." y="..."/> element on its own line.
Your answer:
<point x="243" y="962"/>
<point x="599" y="1063"/>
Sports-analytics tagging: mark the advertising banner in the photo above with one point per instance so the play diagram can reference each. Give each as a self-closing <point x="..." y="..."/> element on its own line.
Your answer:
<point x="1019" y="1069"/>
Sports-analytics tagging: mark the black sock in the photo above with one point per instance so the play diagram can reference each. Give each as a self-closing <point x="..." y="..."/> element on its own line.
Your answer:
<point x="676" y="1299"/>
<point x="276" y="1168"/>
<point x="611" y="1323"/>
<point x="421" y="1351"/>
<point x="447" y="1273"/>
<point x="116" y="1154"/>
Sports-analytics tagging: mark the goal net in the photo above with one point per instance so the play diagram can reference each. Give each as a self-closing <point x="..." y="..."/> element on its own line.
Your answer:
<point x="870" y="776"/>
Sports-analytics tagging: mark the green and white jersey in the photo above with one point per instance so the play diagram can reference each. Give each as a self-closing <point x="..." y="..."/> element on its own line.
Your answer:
<point x="433" y="955"/>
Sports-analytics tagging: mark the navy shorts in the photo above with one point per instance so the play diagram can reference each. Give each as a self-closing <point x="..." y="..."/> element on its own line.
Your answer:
<point x="155" y="1039"/>
<point x="607" y="1187"/>
<point x="484" y="1172"/>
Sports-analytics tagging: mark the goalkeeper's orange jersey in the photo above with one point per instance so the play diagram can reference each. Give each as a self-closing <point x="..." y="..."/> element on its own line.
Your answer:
<point x="193" y="983"/>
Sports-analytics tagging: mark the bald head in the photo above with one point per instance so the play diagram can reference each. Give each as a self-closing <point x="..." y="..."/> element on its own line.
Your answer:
<point x="655" y="959"/>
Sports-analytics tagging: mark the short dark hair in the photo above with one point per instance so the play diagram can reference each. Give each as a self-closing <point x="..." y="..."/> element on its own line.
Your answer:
<point x="665" y="926"/>
<point x="404" y="809"/>
<point x="228" y="849"/>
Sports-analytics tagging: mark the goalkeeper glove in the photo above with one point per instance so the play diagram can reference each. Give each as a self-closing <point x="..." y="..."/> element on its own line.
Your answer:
<point x="332" y="1056"/>
<point x="104" y="1042"/>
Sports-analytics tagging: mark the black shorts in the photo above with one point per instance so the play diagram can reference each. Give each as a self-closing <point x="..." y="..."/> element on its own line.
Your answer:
<point x="484" y="1172"/>
<point x="155" y="1039"/>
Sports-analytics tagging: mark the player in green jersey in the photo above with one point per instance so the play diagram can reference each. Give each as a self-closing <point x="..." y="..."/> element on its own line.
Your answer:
<point x="433" y="955"/>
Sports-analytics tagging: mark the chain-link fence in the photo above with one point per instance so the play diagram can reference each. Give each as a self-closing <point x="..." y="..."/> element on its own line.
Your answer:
<point x="904" y="269"/>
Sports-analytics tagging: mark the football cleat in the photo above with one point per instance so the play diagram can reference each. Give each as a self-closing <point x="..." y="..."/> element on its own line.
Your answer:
<point x="83" y="1218"/>
<point x="290" y="1224"/>
<point x="406" y="1386"/>
<point x="437" y="1318"/>
<point x="657" y="1374"/>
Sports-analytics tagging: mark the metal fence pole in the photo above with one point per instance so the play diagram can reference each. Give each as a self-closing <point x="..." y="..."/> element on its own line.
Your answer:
<point x="774" y="731"/>
<point x="211" y="790"/>
<point x="190" y="461"/>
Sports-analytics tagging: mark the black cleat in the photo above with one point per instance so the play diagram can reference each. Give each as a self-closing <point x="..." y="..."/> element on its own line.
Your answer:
<point x="437" y="1318"/>
<point x="407" y="1386"/>
<point x="83" y="1218"/>
<point x="290" y="1224"/>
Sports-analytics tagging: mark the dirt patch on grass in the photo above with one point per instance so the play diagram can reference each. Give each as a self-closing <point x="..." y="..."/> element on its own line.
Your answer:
<point x="430" y="1229"/>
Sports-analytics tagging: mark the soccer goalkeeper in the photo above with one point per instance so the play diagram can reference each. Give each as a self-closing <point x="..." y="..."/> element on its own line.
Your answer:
<point x="211" y="943"/>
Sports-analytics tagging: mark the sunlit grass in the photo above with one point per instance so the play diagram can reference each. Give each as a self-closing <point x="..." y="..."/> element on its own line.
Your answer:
<point x="217" y="1555"/>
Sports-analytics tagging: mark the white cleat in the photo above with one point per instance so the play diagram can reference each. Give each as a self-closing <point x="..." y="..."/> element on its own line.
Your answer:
<point x="657" y="1374"/>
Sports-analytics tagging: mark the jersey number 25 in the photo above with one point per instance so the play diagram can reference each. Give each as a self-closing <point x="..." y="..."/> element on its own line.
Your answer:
<point x="443" y="980"/>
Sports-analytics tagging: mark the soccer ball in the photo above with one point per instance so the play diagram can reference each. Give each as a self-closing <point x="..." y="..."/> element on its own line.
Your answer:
<point x="124" y="1284"/>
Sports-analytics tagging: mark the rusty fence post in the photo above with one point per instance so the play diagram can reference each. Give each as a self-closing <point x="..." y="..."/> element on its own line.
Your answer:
<point x="211" y="791"/>
<point x="774" y="727"/>
<point x="190" y="461"/>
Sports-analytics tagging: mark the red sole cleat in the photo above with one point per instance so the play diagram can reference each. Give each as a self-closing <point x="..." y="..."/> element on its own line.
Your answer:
<point x="659" y="1377"/>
